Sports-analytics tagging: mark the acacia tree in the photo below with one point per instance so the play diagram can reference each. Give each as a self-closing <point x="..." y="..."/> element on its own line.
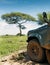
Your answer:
<point x="40" y="17"/>
<point x="17" y="18"/>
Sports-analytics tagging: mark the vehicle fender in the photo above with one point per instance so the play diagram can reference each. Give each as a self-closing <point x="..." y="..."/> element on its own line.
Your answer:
<point x="37" y="36"/>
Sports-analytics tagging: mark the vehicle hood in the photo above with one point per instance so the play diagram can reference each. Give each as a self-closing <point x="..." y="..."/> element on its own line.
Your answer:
<point x="38" y="28"/>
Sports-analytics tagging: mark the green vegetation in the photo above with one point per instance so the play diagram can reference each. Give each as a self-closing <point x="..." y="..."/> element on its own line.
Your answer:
<point x="9" y="44"/>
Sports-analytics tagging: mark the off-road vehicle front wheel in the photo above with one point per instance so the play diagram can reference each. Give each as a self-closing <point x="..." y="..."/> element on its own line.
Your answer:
<point x="35" y="51"/>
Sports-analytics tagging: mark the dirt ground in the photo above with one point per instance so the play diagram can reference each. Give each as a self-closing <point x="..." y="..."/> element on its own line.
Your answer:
<point x="19" y="58"/>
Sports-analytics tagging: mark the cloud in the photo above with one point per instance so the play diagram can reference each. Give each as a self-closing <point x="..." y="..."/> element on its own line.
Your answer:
<point x="3" y="24"/>
<point x="8" y="29"/>
<point x="11" y="29"/>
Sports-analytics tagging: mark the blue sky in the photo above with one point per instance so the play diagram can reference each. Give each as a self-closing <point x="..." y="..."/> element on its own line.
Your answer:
<point x="32" y="7"/>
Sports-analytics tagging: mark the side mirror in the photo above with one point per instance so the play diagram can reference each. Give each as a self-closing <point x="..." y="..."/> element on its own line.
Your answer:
<point x="45" y="17"/>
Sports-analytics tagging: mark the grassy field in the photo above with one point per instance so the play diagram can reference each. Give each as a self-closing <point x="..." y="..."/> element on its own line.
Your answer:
<point x="9" y="44"/>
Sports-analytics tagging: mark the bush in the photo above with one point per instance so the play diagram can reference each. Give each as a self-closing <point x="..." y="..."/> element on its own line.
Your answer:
<point x="6" y="35"/>
<point x="19" y="34"/>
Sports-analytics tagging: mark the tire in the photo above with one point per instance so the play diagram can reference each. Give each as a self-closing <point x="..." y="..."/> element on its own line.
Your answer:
<point x="48" y="55"/>
<point x="35" y="51"/>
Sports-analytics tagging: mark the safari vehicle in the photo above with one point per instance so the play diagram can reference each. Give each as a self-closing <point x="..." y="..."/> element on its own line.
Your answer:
<point x="38" y="47"/>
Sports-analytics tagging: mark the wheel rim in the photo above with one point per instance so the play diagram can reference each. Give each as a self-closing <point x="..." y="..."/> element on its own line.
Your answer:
<point x="48" y="55"/>
<point x="34" y="50"/>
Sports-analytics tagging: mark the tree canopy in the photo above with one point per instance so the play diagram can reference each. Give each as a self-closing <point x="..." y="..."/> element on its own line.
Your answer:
<point x="15" y="17"/>
<point x="40" y="17"/>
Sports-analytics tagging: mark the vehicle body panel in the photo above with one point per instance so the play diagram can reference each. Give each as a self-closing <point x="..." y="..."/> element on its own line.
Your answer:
<point x="42" y="34"/>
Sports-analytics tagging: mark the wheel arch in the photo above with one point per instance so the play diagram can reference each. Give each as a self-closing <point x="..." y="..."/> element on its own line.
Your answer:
<point x="30" y="38"/>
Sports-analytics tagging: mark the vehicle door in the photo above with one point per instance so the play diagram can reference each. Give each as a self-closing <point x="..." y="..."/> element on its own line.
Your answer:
<point x="48" y="34"/>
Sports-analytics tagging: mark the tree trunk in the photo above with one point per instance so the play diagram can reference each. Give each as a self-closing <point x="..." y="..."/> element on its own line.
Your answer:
<point x="20" y="30"/>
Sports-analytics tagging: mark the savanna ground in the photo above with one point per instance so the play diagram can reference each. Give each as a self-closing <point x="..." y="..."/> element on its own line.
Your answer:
<point x="9" y="44"/>
<point x="13" y="51"/>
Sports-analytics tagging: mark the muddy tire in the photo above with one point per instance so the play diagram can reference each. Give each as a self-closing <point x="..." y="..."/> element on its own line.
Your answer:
<point x="35" y="51"/>
<point x="48" y="55"/>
